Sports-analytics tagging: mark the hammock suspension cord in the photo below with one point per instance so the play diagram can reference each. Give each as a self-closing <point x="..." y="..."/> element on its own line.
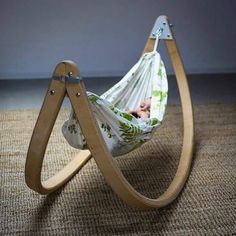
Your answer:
<point x="157" y="35"/>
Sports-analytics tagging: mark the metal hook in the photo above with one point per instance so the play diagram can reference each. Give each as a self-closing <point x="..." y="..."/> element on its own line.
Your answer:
<point x="162" y="23"/>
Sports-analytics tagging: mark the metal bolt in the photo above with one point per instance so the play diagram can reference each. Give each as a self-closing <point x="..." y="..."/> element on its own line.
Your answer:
<point x="52" y="92"/>
<point x="77" y="94"/>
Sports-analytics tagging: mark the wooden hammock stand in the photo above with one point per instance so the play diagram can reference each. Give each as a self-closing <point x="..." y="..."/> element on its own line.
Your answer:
<point x="66" y="81"/>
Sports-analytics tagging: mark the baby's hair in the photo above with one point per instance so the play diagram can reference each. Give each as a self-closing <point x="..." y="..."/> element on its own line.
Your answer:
<point x="135" y="114"/>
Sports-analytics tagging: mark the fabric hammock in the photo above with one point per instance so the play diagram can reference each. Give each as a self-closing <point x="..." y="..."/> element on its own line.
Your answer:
<point x="122" y="132"/>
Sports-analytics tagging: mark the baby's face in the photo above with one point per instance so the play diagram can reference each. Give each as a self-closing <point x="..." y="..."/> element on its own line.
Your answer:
<point x="143" y="110"/>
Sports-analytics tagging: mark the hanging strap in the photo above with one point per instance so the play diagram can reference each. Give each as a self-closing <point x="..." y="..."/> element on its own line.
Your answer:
<point x="157" y="35"/>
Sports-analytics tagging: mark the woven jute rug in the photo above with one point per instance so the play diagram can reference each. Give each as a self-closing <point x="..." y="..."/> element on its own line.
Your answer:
<point x="88" y="206"/>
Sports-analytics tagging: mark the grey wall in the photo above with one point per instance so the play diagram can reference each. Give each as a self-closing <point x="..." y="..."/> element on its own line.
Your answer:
<point x="106" y="37"/>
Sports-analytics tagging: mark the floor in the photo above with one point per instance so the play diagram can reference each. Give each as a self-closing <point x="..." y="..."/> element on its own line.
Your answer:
<point x="26" y="94"/>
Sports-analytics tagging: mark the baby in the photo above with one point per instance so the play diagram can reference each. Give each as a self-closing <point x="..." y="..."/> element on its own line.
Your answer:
<point x="143" y="111"/>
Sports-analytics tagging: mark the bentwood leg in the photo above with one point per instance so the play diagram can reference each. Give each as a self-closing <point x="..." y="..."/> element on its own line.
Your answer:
<point x="108" y="165"/>
<point x="42" y="131"/>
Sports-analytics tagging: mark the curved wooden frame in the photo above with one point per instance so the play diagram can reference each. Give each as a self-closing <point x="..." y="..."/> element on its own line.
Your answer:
<point x="108" y="166"/>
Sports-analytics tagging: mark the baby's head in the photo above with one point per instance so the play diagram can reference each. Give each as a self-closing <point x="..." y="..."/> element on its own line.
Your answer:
<point x="143" y="111"/>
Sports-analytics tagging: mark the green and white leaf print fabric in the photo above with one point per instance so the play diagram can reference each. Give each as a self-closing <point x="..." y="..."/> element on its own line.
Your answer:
<point x="121" y="131"/>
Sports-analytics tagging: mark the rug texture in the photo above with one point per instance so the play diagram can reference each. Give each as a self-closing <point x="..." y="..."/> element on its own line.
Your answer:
<point x="88" y="206"/>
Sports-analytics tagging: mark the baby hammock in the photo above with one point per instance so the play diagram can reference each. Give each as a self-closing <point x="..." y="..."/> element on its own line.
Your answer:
<point x="121" y="131"/>
<point x="66" y="81"/>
